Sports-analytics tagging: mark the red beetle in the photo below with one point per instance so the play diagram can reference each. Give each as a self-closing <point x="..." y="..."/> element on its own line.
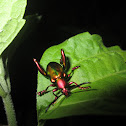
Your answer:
<point x="57" y="75"/>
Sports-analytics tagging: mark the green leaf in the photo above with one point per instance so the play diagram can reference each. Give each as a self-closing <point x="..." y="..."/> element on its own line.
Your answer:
<point x="11" y="22"/>
<point x="104" y="67"/>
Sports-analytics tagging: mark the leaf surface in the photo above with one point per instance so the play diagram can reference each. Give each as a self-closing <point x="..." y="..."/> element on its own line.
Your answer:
<point x="11" y="22"/>
<point x="104" y="67"/>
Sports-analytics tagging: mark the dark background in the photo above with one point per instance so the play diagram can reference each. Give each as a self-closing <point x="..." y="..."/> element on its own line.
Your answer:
<point x="61" y="20"/>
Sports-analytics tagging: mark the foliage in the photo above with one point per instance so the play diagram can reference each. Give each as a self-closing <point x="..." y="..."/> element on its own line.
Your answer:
<point x="104" y="67"/>
<point x="11" y="22"/>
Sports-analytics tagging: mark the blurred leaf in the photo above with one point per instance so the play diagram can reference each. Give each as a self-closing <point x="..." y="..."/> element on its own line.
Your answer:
<point x="104" y="67"/>
<point x="32" y="21"/>
<point x="11" y="14"/>
<point x="11" y="22"/>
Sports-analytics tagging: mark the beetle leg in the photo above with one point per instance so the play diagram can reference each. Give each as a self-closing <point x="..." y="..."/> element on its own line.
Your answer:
<point x="41" y="70"/>
<point x="55" y="94"/>
<point x="52" y="103"/>
<point x="45" y="91"/>
<point x="73" y="70"/>
<point x="63" y="59"/>
<point x="81" y="84"/>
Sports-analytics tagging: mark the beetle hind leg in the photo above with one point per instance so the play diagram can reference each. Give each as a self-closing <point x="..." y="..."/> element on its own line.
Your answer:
<point x="54" y="93"/>
<point x="53" y="102"/>
<point x="80" y="84"/>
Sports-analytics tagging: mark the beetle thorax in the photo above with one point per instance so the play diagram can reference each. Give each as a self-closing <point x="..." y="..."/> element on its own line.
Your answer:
<point x="61" y="83"/>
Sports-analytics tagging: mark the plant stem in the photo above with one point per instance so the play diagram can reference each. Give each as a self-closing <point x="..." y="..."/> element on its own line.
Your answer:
<point x="10" y="113"/>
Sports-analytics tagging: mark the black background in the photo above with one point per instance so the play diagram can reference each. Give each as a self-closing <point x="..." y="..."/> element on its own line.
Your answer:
<point x="61" y="20"/>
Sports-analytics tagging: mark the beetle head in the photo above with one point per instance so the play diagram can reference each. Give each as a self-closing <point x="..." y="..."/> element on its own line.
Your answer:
<point x="65" y="92"/>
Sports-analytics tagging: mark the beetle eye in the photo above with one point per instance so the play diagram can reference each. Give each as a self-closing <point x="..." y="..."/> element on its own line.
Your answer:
<point x="64" y="74"/>
<point x="52" y="80"/>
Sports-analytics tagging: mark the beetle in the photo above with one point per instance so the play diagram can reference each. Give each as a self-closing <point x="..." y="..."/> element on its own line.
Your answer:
<point x="57" y="74"/>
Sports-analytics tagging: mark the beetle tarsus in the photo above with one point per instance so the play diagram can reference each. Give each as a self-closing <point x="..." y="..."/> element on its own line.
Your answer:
<point x="85" y="87"/>
<point x="45" y="91"/>
<point x="73" y="70"/>
<point x="41" y="92"/>
<point x="80" y="84"/>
